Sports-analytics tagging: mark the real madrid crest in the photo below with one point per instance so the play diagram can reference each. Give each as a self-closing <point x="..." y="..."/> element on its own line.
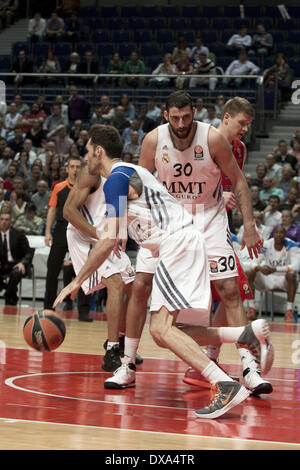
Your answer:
<point x="165" y="158"/>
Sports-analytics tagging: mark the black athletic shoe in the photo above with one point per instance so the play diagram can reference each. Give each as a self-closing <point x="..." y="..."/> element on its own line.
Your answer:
<point x="138" y="359"/>
<point x="111" y="360"/>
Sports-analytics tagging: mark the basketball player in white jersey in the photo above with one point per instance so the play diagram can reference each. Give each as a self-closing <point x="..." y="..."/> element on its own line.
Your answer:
<point x="85" y="210"/>
<point x="156" y="221"/>
<point x="188" y="157"/>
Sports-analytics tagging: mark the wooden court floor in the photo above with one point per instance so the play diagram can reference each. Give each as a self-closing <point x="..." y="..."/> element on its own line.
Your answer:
<point x="56" y="401"/>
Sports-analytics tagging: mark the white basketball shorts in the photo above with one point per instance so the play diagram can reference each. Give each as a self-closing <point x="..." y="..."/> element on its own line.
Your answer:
<point x="270" y="282"/>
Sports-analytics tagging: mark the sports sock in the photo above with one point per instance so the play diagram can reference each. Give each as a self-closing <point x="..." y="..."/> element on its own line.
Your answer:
<point x="230" y="334"/>
<point x="290" y="306"/>
<point x="247" y="359"/>
<point x="130" y="348"/>
<point x="251" y="304"/>
<point x="214" y="374"/>
<point x="110" y="344"/>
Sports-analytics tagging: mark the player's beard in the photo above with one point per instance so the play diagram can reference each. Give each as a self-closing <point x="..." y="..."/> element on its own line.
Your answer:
<point x="184" y="131"/>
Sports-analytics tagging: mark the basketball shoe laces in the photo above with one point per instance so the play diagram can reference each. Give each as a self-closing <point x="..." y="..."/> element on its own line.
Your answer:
<point x="215" y="393"/>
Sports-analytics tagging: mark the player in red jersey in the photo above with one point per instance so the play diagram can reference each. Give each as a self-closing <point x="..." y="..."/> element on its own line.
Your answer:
<point x="237" y="116"/>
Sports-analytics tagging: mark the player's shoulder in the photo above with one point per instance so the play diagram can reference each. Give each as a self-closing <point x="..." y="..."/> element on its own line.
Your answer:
<point x="60" y="186"/>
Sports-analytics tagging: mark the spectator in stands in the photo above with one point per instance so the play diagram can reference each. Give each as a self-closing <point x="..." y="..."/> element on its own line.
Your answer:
<point x="118" y="119"/>
<point x="36" y="27"/>
<point x="272" y="216"/>
<point x="24" y="164"/>
<point x="76" y="129"/>
<point x="128" y="106"/>
<point x="73" y="67"/>
<point x="292" y="230"/>
<point x="295" y="150"/>
<point x="257" y="204"/>
<point x="27" y="146"/>
<point x="239" y="41"/>
<point x="204" y="66"/>
<point x="197" y="49"/>
<point x="285" y="181"/>
<point x="184" y="67"/>
<point x="164" y="68"/>
<point x="153" y="111"/>
<point x="41" y="101"/>
<point x="72" y="28"/>
<point x="35" y="114"/>
<point x="240" y="66"/>
<point x="220" y="101"/>
<point x="259" y="220"/>
<point x="282" y="155"/>
<point x="212" y="119"/>
<point x="18" y="201"/>
<point x="17" y="140"/>
<point x="103" y="113"/>
<point x="36" y="134"/>
<point x="115" y="66"/>
<point x="50" y="65"/>
<point x="270" y="190"/>
<point x="47" y="152"/>
<point x="62" y="141"/>
<point x="260" y="174"/>
<point x="146" y="123"/>
<point x="262" y="42"/>
<point x="67" y="7"/>
<point x="274" y="170"/>
<point x="30" y="223"/>
<point x="280" y="73"/>
<point x="90" y="65"/>
<point x="78" y="105"/>
<point x="22" y="107"/>
<point x="59" y="99"/>
<point x="54" y="28"/>
<point x="55" y="119"/>
<point x="296" y="213"/>
<point x="12" y="119"/>
<point x="135" y="126"/>
<point x="180" y="50"/>
<point x="6" y="159"/>
<point x="2" y="129"/>
<point x="8" y="182"/>
<point x="200" y="111"/>
<point x="8" y="11"/>
<point x="133" y="146"/>
<point x="41" y="198"/>
<point x="291" y="200"/>
<point x="134" y="67"/>
<point x="22" y="65"/>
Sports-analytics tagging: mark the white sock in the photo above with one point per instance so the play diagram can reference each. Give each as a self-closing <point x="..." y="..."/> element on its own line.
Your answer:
<point x="230" y="334"/>
<point x="131" y="346"/>
<point x="110" y="344"/>
<point x="251" y="304"/>
<point x="214" y="374"/>
<point x="290" y="306"/>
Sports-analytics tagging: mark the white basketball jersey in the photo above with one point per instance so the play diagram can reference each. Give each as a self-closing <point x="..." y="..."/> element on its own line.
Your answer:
<point x="191" y="175"/>
<point x="289" y="255"/>
<point x="155" y="213"/>
<point x="94" y="209"/>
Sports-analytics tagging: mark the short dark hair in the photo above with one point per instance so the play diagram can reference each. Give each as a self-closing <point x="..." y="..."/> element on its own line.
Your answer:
<point x="179" y="99"/>
<point x="30" y="207"/>
<point x="274" y="196"/>
<point x="107" y="137"/>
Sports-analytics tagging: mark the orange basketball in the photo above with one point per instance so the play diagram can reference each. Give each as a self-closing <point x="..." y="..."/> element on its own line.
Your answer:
<point x="44" y="331"/>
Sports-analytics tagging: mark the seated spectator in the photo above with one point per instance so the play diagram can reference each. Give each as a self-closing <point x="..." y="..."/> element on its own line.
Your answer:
<point x="8" y="182"/>
<point x="47" y="152"/>
<point x="16" y="141"/>
<point x="35" y="113"/>
<point x="296" y="213"/>
<point x="24" y="164"/>
<point x="12" y="119"/>
<point x="280" y="73"/>
<point x="22" y="107"/>
<point x="51" y="170"/>
<point x="204" y="66"/>
<point x="197" y="49"/>
<point x="270" y="190"/>
<point x="164" y="68"/>
<point x="274" y="170"/>
<point x="16" y="260"/>
<point x="153" y="111"/>
<point x="134" y="67"/>
<point x="259" y="220"/>
<point x="2" y="194"/>
<point x="146" y="123"/>
<point x="119" y="120"/>
<point x="127" y="157"/>
<point x="295" y="150"/>
<point x="41" y="101"/>
<point x="103" y="113"/>
<point x="7" y="156"/>
<point x="240" y="66"/>
<point x="30" y="223"/>
<point x="220" y="101"/>
<point x="62" y="141"/>
<point x="285" y="182"/>
<point x="292" y="231"/>
<point x="212" y="119"/>
<point x="200" y="111"/>
<point x="76" y="129"/>
<point x="239" y="41"/>
<point x="2" y="129"/>
<point x="262" y="42"/>
<point x="55" y="119"/>
<point x="36" y="134"/>
<point x="28" y="148"/>
<point x="272" y="216"/>
<point x="8" y="11"/>
<point x="50" y="65"/>
<point x="135" y="126"/>
<point x="291" y="200"/>
<point x="36" y="28"/>
<point x="41" y="198"/>
<point x="276" y="268"/>
<point x="128" y="106"/>
<point x="18" y="201"/>
<point x="115" y="67"/>
<point x="73" y="28"/>
<point x="180" y="50"/>
<point x="133" y="146"/>
<point x="90" y="65"/>
<point x="73" y="67"/>
<point x="54" y="28"/>
<point x="32" y="179"/>
<point x="183" y="67"/>
<point x="59" y="99"/>
<point x="260" y="174"/>
<point x="282" y="155"/>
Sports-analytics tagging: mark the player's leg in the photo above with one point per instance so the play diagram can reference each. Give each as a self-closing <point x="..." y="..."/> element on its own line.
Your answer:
<point x="251" y="276"/>
<point x="291" y="288"/>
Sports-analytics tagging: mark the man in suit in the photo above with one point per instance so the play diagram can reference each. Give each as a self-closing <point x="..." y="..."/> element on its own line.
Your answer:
<point x="15" y="257"/>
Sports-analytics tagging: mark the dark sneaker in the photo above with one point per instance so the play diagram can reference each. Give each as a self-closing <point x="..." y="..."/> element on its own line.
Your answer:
<point x="111" y="360"/>
<point x="138" y="359"/>
<point x="124" y="376"/>
<point x="224" y="396"/>
<point x="251" y="314"/>
<point x="256" y="338"/>
<point x="255" y="383"/>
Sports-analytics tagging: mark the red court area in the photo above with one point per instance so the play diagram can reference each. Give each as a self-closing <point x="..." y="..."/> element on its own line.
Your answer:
<point x="61" y="387"/>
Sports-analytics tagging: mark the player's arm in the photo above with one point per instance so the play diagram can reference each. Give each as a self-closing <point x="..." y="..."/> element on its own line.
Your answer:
<point x="49" y="224"/>
<point x="229" y="197"/>
<point x="76" y="198"/>
<point x="147" y="155"/>
<point x="222" y="154"/>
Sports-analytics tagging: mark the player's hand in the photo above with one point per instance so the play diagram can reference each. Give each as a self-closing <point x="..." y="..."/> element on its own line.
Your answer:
<point x="253" y="240"/>
<point x="230" y="200"/>
<point x="48" y="240"/>
<point x="266" y="270"/>
<point x="119" y="247"/>
<point x="71" y="289"/>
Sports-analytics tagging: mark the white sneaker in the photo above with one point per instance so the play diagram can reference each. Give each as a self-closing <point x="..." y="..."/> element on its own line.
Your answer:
<point x="256" y="337"/>
<point x="124" y="376"/>
<point x="254" y="382"/>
